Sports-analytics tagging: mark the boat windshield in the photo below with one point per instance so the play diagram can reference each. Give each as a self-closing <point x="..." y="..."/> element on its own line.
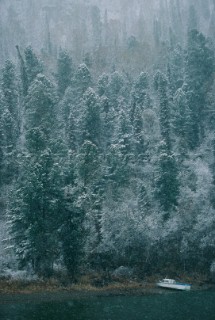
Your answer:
<point x="168" y="281"/>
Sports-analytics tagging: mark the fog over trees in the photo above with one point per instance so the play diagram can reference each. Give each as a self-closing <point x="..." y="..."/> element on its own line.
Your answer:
<point x="107" y="136"/>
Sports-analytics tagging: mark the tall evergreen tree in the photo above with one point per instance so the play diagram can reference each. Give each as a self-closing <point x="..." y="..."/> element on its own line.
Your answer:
<point x="102" y="85"/>
<point x="36" y="204"/>
<point x="140" y="101"/>
<point x="64" y="72"/>
<point x="176" y="69"/>
<point x="139" y="94"/>
<point x="199" y="78"/>
<point x="10" y="90"/>
<point x="167" y="186"/>
<point x="181" y="121"/>
<point x="90" y="168"/>
<point x="115" y="87"/>
<point x="33" y="64"/>
<point x="92" y="117"/>
<point x="9" y="121"/>
<point x="82" y="79"/>
<point x="23" y="73"/>
<point x="161" y="86"/>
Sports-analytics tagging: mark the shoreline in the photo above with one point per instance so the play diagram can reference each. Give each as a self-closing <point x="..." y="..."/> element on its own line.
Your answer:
<point x="20" y="292"/>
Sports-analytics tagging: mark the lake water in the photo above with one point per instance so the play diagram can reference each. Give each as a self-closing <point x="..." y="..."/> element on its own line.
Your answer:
<point x="196" y="305"/>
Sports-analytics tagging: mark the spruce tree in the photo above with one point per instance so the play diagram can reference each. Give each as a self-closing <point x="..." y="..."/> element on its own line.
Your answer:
<point x="82" y="79"/>
<point x="181" y="121"/>
<point x="64" y="72"/>
<point x="9" y="121"/>
<point x="37" y="193"/>
<point x="9" y="89"/>
<point x="23" y="73"/>
<point x="90" y="160"/>
<point x="102" y="85"/>
<point x="115" y="87"/>
<point x="91" y="117"/>
<point x="33" y="64"/>
<point x="140" y="101"/>
<point x="161" y="86"/>
<point x="167" y="186"/>
<point x="199" y="78"/>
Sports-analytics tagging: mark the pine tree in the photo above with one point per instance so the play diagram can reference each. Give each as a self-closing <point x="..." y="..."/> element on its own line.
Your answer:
<point x="90" y="159"/>
<point x="72" y="234"/>
<point x="140" y="89"/>
<point x="35" y="220"/>
<point x="198" y="71"/>
<point x="176" y="69"/>
<point x="181" y="121"/>
<point x="82" y="79"/>
<point x="115" y="87"/>
<point x="91" y="117"/>
<point x="167" y="186"/>
<point x="161" y="86"/>
<point x="23" y="73"/>
<point x="9" y="89"/>
<point x="140" y="101"/>
<point x="1" y="138"/>
<point x="72" y="109"/>
<point x="9" y="121"/>
<point x="119" y="156"/>
<point x="102" y="85"/>
<point x="90" y="177"/>
<point x="64" y="72"/>
<point x="30" y="67"/>
<point x="33" y="64"/>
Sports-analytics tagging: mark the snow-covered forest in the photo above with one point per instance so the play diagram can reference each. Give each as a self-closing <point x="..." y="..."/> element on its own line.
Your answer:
<point x="107" y="136"/>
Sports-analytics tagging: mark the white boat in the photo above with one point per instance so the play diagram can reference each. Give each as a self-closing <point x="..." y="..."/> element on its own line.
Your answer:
<point x="173" y="284"/>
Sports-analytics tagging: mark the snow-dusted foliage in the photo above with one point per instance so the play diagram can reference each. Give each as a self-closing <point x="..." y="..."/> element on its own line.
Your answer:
<point x="107" y="145"/>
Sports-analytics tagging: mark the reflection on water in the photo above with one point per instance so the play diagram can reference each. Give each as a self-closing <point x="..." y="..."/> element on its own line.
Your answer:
<point x="174" y="306"/>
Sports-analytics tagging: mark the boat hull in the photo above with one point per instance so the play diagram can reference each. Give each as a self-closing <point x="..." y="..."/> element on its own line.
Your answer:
<point x="175" y="286"/>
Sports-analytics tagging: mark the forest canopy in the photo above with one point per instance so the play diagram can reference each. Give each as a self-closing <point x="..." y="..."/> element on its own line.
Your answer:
<point x="107" y="146"/>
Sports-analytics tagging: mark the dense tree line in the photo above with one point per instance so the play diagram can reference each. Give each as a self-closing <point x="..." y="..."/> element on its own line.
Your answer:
<point x="110" y="170"/>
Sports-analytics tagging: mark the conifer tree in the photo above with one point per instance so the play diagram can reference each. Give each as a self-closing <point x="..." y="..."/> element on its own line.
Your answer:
<point x="102" y="85"/>
<point x="23" y="73"/>
<point x="90" y="160"/>
<point x="9" y="121"/>
<point x="140" y="88"/>
<point x="82" y="79"/>
<point x="176" y="69"/>
<point x="91" y="117"/>
<point x="64" y="72"/>
<point x="161" y="86"/>
<point x="9" y="89"/>
<point x="167" y="186"/>
<point x="181" y="121"/>
<point x="33" y="64"/>
<point x="35" y="219"/>
<point x="140" y="101"/>
<point x="115" y="89"/>
<point x="1" y="138"/>
<point x="198" y="72"/>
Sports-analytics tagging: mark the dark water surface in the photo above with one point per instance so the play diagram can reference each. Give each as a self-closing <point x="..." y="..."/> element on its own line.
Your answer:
<point x="196" y="305"/>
